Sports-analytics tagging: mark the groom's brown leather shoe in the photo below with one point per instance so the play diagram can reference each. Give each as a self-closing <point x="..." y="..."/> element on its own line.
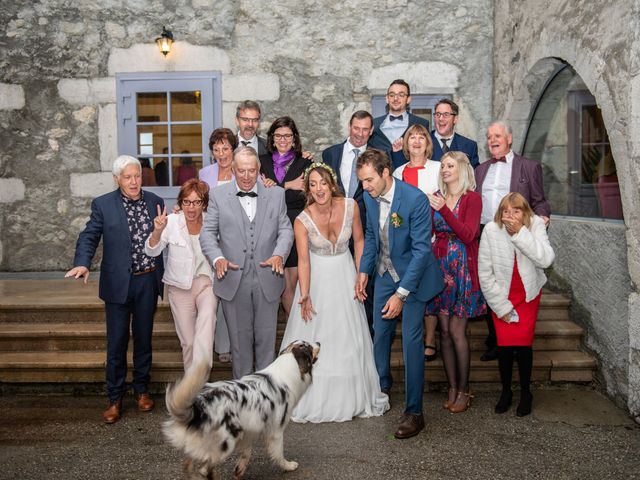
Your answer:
<point x="113" y="413"/>
<point x="410" y="425"/>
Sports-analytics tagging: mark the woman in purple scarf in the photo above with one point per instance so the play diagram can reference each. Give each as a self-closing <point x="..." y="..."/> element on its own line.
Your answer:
<point x="284" y="165"/>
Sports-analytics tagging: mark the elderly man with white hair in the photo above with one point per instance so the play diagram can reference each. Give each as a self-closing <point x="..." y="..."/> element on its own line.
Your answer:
<point x="130" y="280"/>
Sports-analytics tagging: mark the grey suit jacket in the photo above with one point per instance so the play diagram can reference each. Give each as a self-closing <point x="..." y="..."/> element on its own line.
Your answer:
<point x="223" y="235"/>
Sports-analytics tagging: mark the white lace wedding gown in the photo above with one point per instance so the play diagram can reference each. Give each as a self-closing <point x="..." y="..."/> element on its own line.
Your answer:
<point x="345" y="381"/>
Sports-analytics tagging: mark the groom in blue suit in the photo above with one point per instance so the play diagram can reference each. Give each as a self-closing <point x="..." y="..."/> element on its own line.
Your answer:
<point x="398" y="252"/>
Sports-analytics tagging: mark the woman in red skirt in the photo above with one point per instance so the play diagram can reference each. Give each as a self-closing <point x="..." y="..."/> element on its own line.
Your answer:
<point x="514" y="250"/>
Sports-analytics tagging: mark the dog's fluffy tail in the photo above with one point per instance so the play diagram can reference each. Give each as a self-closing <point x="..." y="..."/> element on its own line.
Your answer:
<point x="180" y="396"/>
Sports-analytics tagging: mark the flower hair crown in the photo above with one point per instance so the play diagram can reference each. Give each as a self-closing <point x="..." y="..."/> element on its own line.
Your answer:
<point x="315" y="165"/>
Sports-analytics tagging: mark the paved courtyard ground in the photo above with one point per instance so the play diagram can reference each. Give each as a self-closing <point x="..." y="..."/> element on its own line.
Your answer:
<point x="572" y="433"/>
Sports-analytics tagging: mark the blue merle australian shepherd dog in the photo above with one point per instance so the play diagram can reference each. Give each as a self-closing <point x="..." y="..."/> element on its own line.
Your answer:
<point x="210" y="421"/>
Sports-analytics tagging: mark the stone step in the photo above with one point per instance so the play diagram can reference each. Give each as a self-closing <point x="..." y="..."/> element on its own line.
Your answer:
<point x="68" y="301"/>
<point x="88" y="367"/>
<point x="41" y="337"/>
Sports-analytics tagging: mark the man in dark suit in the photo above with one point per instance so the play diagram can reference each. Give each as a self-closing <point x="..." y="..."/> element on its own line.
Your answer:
<point x="248" y="115"/>
<point x="389" y="128"/>
<point x="130" y="281"/>
<point x="342" y="157"/>
<point x="444" y="137"/>
<point x="397" y="252"/>
<point x="507" y="172"/>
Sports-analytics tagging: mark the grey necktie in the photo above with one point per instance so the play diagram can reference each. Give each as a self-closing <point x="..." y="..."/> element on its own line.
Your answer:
<point x="353" y="182"/>
<point x="445" y="147"/>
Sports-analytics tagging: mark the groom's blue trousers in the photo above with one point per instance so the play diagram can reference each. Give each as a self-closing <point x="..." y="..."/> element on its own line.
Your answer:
<point x="412" y="342"/>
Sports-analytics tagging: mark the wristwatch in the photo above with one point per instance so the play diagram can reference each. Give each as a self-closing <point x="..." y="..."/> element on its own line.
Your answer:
<point x="401" y="296"/>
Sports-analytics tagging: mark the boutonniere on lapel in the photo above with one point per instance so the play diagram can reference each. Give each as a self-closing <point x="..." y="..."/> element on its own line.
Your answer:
<point x="396" y="220"/>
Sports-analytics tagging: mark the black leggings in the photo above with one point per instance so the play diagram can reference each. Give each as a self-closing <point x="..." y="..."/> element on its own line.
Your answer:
<point x="524" y="355"/>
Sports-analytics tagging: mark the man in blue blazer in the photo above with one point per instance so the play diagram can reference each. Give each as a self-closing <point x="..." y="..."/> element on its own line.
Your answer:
<point x="444" y="137"/>
<point x="387" y="129"/>
<point x="397" y="252"/>
<point x="130" y="281"/>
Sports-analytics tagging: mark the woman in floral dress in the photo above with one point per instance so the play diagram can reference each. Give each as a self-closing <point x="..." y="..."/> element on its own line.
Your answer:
<point x="456" y="224"/>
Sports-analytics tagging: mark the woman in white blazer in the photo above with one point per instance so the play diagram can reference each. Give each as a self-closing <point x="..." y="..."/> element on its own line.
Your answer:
<point x="423" y="173"/>
<point x="188" y="274"/>
<point x="514" y="250"/>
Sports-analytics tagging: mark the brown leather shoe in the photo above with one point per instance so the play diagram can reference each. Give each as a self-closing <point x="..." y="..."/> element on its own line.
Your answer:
<point x="410" y="425"/>
<point x="145" y="402"/>
<point x="113" y="413"/>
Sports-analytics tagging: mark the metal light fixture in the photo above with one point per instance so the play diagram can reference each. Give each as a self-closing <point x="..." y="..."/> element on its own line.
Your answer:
<point x="164" y="41"/>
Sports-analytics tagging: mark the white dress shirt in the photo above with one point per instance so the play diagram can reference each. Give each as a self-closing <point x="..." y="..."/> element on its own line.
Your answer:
<point x="440" y="137"/>
<point x="253" y="142"/>
<point x="393" y="130"/>
<point x="496" y="185"/>
<point x="249" y="204"/>
<point x="346" y="164"/>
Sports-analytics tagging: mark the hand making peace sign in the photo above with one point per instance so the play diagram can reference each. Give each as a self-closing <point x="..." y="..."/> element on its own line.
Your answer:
<point x="160" y="222"/>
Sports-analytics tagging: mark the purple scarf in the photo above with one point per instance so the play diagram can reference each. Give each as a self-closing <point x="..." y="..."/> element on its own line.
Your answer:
<point x="280" y="162"/>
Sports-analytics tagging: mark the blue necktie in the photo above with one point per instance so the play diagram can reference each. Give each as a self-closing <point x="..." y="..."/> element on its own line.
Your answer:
<point x="353" y="182"/>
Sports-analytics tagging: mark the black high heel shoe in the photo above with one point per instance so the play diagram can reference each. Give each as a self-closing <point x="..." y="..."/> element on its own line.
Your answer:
<point x="433" y="356"/>
<point x="524" y="407"/>
<point x="504" y="403"/>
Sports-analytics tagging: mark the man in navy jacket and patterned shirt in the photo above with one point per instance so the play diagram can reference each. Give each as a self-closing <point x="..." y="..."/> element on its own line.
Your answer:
<point x="130" y="281"/>
<point x="389" y="128"/>
<point x="444" y="137"/>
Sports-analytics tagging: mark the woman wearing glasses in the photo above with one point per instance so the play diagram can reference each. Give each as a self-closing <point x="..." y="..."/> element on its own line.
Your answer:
<point x="187" y="273"/>
<point x="285" y="165"/>
<point x="222" y="144"/>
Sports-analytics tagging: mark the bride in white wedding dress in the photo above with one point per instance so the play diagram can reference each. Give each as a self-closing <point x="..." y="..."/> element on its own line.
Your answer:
<point x="345" y="382"/>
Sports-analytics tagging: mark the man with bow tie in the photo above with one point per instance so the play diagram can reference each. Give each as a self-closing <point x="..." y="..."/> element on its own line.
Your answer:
<point x="507" y="172"/>
<point x="247" y="237"/>
<point x="387" y="129"/>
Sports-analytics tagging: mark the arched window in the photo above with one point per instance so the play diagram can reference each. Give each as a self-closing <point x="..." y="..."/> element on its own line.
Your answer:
<point x="567" y="134"/>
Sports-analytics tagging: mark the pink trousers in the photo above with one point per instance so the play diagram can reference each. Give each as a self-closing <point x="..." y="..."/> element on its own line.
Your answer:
<point x="194" y="315"/>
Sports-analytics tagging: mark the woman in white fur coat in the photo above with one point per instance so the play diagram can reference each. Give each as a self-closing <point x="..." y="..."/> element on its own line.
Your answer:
<point x="514" y="250"/>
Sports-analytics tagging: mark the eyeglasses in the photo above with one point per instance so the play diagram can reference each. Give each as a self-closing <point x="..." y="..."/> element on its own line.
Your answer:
<point x="249" y="120"/>
<point x="283" y="136"/>
<point x="221" y="150"/>
<point x="195" y="203"/>
<point x="444" y="114"/>
<point x="401" y="96"/>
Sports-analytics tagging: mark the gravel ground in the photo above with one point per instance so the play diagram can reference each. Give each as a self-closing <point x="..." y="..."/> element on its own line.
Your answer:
<point x="572" y="433"/>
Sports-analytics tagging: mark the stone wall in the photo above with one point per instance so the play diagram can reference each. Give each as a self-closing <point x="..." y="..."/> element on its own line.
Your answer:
<point x="317" y="61"/>
<point x="600" y="41"/>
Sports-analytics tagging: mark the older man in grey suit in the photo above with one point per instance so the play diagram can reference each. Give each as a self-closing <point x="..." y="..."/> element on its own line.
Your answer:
<point x="247" y="237"/>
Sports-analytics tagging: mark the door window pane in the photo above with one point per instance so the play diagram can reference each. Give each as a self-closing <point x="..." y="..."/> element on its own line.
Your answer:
<point x="186" y="106"/>
<point x="185" y="167"/>
<point x="186" y="137"/>
<point x="152" y="107"/>
<point x="152" y="139"/>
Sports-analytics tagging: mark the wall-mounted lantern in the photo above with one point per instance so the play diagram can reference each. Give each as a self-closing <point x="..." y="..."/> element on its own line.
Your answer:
<point x="164" y="41"/>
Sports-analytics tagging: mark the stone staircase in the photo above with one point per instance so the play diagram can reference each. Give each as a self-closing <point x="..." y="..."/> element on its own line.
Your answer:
<point x="53" y="332"/>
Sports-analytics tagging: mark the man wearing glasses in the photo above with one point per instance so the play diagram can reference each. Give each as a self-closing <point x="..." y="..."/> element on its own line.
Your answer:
<point x="444" y="138"/>
<point x="389" y="128"/>
<point x="248" y="121"/>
